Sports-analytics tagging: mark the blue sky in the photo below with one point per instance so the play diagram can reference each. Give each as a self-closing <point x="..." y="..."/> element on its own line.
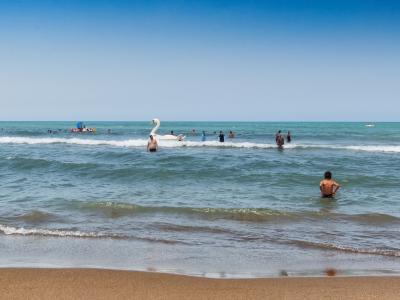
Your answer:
<point x="282" y="60"/>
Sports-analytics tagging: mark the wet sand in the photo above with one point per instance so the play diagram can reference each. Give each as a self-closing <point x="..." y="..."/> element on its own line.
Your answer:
<point x="108" y="284"/>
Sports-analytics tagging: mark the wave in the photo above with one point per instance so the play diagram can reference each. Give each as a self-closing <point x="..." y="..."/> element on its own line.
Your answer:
<point x="121" y="209"/>
<point x="36" y="216"/>
<point x="9" y="230"/>
<point x="328" y="246"/>
<point x="29" y="163"/>
<point x="117" y="209"/>
<point x="174" y="144"/>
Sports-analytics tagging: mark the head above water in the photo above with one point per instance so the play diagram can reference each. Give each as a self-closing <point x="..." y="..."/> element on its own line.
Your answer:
<point x="328" y="175"/>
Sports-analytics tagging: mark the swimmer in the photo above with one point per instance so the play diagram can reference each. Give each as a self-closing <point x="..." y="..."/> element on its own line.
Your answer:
<point x="172" y="133"/>
<point x="231" y="135"/>
<point x="203" y="136"/>
<point x="288" y="137"/>
<point x="327" y="186"/>
<point x="152" y="145"/>
<point x="221" y="137"/>
<point x="280" y="141"/>
<point x="277" y="135"/>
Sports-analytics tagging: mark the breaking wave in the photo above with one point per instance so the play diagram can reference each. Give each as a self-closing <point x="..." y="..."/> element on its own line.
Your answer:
<point x="9" y="230"/>
<point x="120" y="209"/>
<point x="174" y="144"/>
<point x="328" y="246"/>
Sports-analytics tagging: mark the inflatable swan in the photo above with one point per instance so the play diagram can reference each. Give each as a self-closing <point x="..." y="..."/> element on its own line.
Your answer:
<point x="170" y="137"/>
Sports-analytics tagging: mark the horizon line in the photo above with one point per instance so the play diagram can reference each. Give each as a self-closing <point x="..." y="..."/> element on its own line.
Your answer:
<point x="237" y="121"/>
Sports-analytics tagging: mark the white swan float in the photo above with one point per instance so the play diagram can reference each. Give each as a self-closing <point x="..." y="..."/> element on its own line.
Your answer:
<point x="169" y="137"/>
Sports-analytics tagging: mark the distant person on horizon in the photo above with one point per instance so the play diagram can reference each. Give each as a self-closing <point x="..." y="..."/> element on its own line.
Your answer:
<point x="288" y="137"/>
<point x="221" y="137"/>
<point x="203" y="136"/>
<point x="231" y="135"/>
<point x="152" y="145"/>
<point x="172" y="132"/>
<point x="327" y="186"/>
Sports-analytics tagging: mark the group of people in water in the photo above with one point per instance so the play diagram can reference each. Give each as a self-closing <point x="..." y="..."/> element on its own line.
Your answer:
<point x="152" y="144"/>
<point x="328" y="187"/>
<point x="221" y="135"/>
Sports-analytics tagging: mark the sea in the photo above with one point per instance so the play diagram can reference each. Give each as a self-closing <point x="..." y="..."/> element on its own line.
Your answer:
<point x="238" y="209"/>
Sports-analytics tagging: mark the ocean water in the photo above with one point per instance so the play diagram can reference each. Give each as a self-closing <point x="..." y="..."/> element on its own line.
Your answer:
<point x="241" y="208"/>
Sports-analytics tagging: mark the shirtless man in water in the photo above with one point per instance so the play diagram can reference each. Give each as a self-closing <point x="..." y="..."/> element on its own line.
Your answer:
<point x="327" y="186"/>
<point x="152" y="145"/>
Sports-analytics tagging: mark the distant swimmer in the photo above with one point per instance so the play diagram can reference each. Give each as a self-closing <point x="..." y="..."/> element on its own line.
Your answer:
<point x="277" y="136"/>
<point x="203" y="136"/>
<point x="280" y="142"/>
<point x="288" y="137"/>
<point x="327" y="186"/>
<point x="231" y="135"/>
<point x="152" y="145"/>
<point x="172" y="133"/>
<point x="221" y="137"/>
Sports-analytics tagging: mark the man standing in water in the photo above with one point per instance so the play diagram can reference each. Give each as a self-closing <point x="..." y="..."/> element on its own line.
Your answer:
<point x="221" y="137"/>
<point x="327" y="186"/>
<point x="280" y="142"/>
<point x="277" y="136"/>
<point x="152" y="145"/>
<point x="203" y="136"/>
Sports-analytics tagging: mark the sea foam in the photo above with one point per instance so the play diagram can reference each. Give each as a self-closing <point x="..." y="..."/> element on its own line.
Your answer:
<point x="192" y="144"/>
<point x="9" y="230"/>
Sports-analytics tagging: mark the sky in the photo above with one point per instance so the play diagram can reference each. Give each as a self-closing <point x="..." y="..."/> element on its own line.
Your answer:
<point x="277" y="60"/>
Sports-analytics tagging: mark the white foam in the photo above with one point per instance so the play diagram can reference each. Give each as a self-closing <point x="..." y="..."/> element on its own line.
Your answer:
<point x="73" y="141"/>
<point x="174" y="144"/>
<point x="8" y="230"/>
<point x="393" y="149"/>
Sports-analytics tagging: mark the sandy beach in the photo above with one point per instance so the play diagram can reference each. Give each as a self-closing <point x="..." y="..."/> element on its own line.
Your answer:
<point x="109" y="284"/>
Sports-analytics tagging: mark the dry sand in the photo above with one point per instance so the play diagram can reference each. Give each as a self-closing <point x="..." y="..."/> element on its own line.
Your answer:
<point x="107" y="284"/>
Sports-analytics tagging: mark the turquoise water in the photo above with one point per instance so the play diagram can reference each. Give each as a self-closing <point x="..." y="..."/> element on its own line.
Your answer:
<point x="241" y="208"/>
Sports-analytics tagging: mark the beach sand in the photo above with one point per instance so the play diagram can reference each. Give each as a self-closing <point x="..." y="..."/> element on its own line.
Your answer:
<point x="108" y="284"/>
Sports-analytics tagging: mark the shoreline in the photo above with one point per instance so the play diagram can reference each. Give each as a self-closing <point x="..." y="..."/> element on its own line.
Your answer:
<point x="76" y="283"/>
